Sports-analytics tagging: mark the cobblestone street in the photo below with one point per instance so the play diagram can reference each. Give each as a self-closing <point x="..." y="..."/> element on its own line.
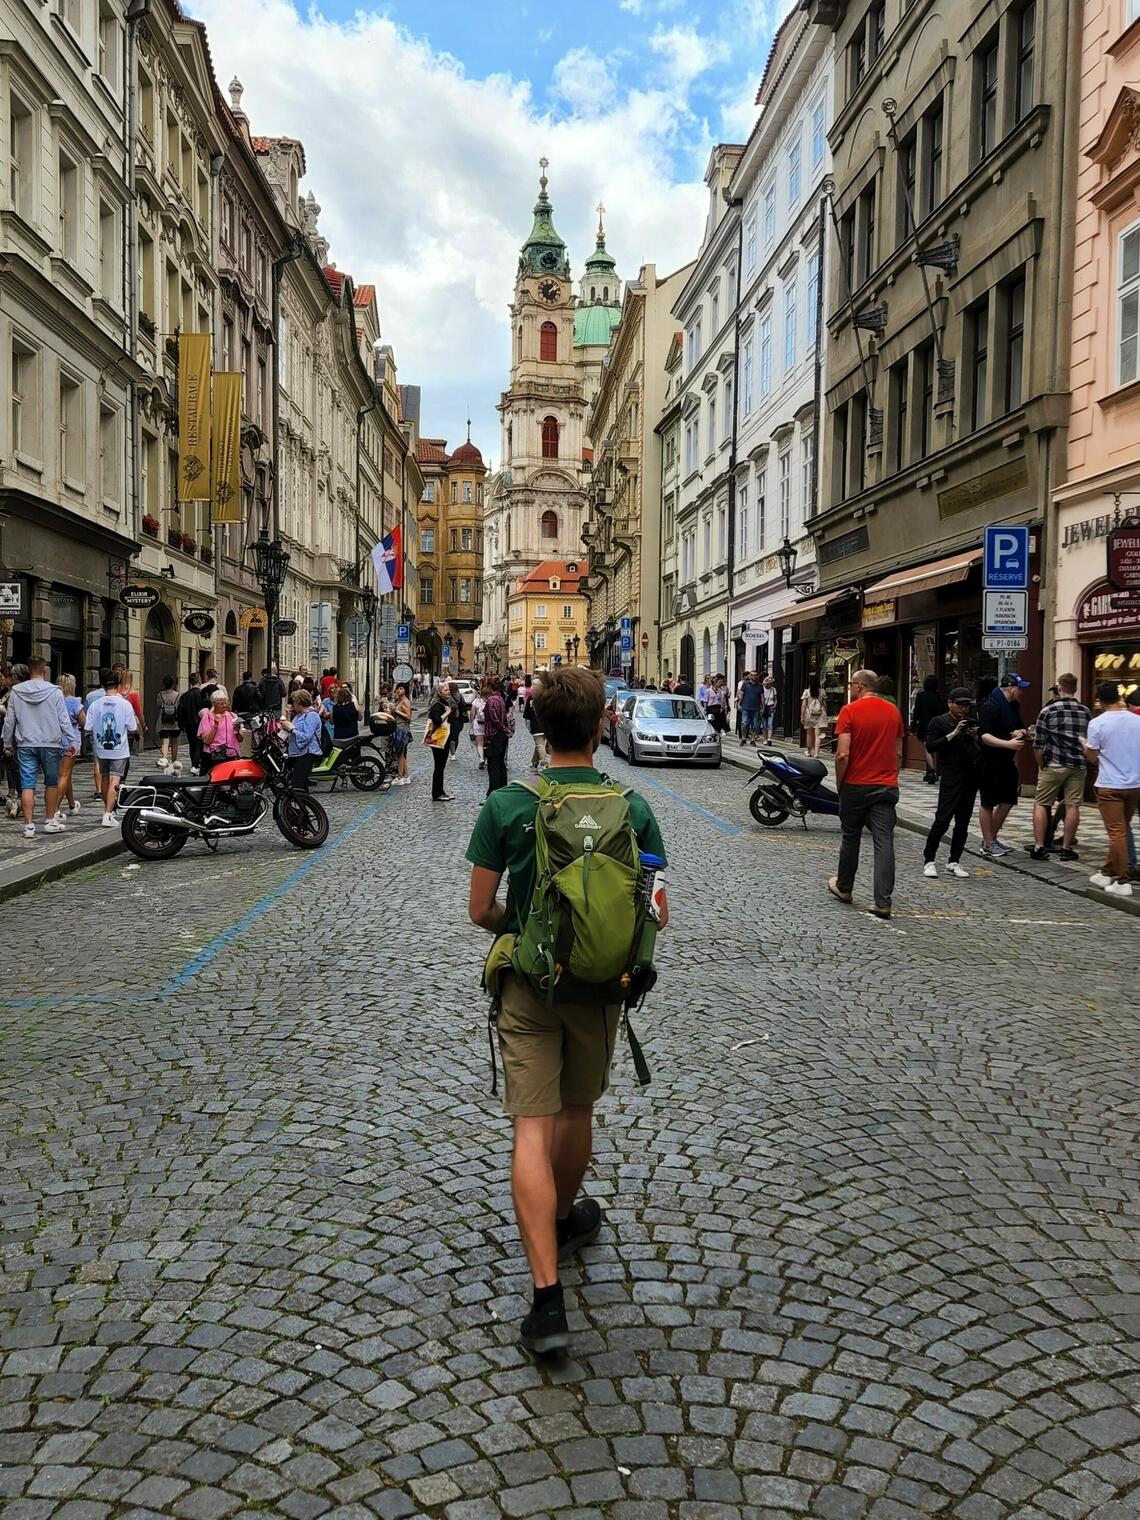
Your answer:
<point x="873" y="1240"/>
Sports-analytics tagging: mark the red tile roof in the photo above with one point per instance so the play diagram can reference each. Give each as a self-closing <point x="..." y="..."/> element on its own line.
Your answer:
<point x="364" y="295"/>
<point x="466" y="456"/>
<point x="261" y="144"/>
<point x="335" y="277"/>
<point x="540" y="577"/>
<point x="431" y="451"/>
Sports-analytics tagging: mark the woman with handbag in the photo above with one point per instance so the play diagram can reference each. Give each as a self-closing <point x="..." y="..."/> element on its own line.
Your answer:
<point x="220" y="732"/>
<point x="438" y="739"/>
<point x="402" y="738"/>
<point x="304" y="744"/>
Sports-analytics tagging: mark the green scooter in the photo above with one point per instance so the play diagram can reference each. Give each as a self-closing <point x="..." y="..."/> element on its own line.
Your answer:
<point x="353" y="761"/>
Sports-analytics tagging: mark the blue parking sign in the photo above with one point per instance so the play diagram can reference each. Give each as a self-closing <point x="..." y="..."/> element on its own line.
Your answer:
<point x="403" y="633"/>
<point x="1005" y="559"/>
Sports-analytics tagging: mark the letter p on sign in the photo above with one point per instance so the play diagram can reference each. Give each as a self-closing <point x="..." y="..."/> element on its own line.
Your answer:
<point x="1006" y="558"/>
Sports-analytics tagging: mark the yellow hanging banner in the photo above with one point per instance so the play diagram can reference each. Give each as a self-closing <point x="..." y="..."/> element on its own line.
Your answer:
<point x="227" y="447"/>
<point x="194" y="417"/>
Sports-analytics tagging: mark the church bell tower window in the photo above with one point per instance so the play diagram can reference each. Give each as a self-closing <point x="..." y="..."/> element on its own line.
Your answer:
<point x="548" y="343"/>
<point x="550" y="438"/>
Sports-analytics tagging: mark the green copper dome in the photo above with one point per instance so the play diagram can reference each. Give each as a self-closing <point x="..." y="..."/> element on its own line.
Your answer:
<point x="544" y="252"/>
<point x="594" y="324"/>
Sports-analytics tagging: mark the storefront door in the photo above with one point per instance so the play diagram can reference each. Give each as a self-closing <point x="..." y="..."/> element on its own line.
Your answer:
<point x="160" y="658"/>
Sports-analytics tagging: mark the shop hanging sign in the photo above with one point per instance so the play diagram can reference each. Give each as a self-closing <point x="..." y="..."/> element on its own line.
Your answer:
<point x="1103" y="610"/>
<point x="1124" y="557"/>
<point x="11" y="599"/>
<point x="198" y="622"/>
<point x="253" y="617"/>
<point x="194" y="417"/>
<point x="140" y="597"/>
<point x="227" y="447"/>
<point x="879" y="614"/>
<point x="285" y="628"/>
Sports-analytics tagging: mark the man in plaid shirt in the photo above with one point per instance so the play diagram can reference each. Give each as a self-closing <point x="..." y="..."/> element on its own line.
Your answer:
<point x="1058" y="734"/>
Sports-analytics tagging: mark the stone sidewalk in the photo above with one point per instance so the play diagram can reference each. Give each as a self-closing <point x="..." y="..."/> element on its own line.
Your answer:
<point x="917" y="803"/>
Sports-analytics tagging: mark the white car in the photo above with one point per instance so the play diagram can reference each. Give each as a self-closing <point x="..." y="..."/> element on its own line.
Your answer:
<point x="658" y="726"/>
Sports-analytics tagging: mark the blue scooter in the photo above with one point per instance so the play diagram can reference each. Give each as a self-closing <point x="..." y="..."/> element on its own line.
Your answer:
<point x="790" y="785"/>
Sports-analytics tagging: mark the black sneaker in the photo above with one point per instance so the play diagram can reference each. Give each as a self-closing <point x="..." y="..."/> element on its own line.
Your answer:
<point x="1038" y="852"/>
<point x="1067" y="855"/>
<point x="545" y="1330"/>
<point x="579" y="1228"/>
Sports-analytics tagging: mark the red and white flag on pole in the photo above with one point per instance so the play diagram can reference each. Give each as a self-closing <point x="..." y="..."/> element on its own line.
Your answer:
<point x="388" y="557"/>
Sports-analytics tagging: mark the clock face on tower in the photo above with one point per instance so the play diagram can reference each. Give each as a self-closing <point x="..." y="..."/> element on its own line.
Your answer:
<point x="548" y="290"/>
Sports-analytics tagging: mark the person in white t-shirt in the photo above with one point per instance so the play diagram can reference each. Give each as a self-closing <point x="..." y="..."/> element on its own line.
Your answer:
<point x="1112" y="744"/>
<point x="110" y="722"/>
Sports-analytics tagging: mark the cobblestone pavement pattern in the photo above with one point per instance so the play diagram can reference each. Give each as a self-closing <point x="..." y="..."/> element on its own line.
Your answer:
<point x="873" y="1230"/>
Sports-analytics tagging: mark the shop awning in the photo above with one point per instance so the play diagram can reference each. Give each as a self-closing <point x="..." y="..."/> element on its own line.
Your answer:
<point x="814" y="607"/>
<point x="938" y="572"/>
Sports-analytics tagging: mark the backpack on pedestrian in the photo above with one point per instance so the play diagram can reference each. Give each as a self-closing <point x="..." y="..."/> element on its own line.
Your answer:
<point x="816" y="712"/>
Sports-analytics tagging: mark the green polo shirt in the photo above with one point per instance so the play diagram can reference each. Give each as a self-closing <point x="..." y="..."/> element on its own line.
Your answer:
<point x="503" y="837"/>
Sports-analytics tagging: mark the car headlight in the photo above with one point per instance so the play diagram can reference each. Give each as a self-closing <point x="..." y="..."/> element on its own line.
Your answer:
<point x="645" y="738"/>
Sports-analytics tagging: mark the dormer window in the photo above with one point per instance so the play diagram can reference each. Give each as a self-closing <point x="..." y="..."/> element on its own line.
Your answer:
<point x="555" y="583"/>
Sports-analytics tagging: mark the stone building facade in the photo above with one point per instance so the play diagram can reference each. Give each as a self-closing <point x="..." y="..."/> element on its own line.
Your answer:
<point x="622" y="530"/>
<point x="947" y="326"/>
<point x="779" y="368"/>
<point x="1096" y="630"/>
<point x="67" y="529"/>
<point x="449" y="606"/>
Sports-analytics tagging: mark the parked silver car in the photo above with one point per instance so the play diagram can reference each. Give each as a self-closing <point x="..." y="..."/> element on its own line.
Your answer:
<point x="657" y="726"/>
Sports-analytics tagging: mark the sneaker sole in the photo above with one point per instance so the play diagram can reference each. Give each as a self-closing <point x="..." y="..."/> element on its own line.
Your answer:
<point x="576" y="1242"/>
<point x="543" y="1345"/>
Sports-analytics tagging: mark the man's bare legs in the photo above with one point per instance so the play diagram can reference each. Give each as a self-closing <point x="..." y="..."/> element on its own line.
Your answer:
<point x="552" y="1152"/>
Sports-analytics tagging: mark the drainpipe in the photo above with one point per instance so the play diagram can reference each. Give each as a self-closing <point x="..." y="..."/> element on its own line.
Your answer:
<point x="294" y="251"/>
<point x="1060" y="317"/>
<point x="137" y="11"/>
<point x="738" y="205"/>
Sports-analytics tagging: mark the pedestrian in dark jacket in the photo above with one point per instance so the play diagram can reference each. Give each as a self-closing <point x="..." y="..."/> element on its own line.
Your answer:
<point x="247" y="697"/>
<point x="952" y="737"/>
<point x="929" y="703"/>
<point x="190" y="706"/>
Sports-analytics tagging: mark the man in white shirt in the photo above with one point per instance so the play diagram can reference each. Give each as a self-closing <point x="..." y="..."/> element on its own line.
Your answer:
<point x="110" y="722"/>
<point x="1113" y="746"/>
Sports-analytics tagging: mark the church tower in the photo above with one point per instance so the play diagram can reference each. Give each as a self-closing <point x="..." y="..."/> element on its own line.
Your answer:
<point x="559" y="337"/>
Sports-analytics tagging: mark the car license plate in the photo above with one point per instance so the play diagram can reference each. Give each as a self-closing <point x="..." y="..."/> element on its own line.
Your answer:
<point x="676" y="749"/>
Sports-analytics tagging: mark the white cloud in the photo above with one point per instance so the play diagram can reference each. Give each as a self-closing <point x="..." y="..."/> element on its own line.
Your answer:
<point x="687" y="54"/>
<point x="428" y="176"/>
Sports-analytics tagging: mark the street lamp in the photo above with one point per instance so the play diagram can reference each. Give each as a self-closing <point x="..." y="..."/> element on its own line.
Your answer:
<point x="577" y="641"/>
<point x="368" y="603"/>
<point x="458" y="656"/>
<point x="271" y="562"/>
<point x="569" y="648"/>
<point x="786" y="554"/>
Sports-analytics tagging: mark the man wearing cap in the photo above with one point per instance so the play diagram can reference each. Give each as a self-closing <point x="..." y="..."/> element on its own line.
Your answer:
<point x="953" y="738"/>
<point x="1058" y="742"/>
<point x="1003" y="737"/>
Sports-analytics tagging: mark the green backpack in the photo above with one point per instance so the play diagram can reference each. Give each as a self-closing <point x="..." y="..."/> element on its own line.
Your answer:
<point x="586" y="936"/>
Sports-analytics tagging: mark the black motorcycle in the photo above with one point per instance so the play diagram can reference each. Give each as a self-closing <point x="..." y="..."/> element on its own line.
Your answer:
<point x="160" y="813"/>
<point x="790" y="785"/>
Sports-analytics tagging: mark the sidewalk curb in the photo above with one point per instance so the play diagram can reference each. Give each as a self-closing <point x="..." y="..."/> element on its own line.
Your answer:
<point x="1091" y="894"/>
<point x="26" y="876"/>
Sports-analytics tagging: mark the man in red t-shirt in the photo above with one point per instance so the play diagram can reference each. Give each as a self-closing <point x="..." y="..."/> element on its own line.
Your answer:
<point x="868" y="754"/>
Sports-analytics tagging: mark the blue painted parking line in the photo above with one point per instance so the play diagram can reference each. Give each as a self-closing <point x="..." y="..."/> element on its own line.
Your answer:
<point x="720" y="823"/>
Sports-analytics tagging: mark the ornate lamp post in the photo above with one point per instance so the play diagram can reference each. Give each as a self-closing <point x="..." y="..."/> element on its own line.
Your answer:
<point x="786" y="554"/>
<point x="569" y="648"/>
<point x="368" y="603"/>
<point x="458" y="656"/>
<point x="577" y="641"/>
<point x="271" y="562"/>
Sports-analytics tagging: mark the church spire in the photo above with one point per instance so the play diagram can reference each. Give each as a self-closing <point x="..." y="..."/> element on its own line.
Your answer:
<point x="544" y="252"/>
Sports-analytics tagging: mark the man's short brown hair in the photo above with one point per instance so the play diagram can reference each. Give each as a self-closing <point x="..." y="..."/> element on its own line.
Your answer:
<point x="568" y="703"/>
<point x="1067" y="683"/>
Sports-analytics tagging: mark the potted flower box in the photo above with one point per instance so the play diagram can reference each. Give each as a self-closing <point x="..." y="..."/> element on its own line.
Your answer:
<point x="207" y="554"/>
<point x="174" y="537"/>
<point x="189" y="545"/>
<point x="150" y="526"/>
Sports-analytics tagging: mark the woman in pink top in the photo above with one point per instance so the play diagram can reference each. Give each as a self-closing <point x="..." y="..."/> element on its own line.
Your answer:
<point x="219" y="731"/>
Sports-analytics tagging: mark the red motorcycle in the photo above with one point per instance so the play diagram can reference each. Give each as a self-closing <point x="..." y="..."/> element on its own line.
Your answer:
<point x="160" y="813"/>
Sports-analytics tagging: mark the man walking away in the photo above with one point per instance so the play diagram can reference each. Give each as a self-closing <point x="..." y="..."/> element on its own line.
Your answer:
<point x="1113" y="746"/>
<point x="929" y="704"/>
<point x="37" y="729"/>
<point x="951" y="740"/>
<point x="270" y="692"/>
<point x="1058" y="743"/>
<point x="190" y="705"/>
<point x="556" y="1056"/>
<point x="868" y="753"/>
<point x="541" y="754"/>
<point x="496" y="735"/>
<point x="111" y="720"/>
<point x="751" y="709"/>
<point x="247" y="696"/>
<point x="1003" y="737"/>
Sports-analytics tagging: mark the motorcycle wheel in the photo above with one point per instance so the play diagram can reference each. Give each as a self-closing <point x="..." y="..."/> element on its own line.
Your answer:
<point x="767" y="807"/>
<point x="149" y="841"/>
<point x="367" y="775"/>
<point x="301" y="819"/>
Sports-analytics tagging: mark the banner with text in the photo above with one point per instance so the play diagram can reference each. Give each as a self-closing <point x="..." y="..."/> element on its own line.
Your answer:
<point x="227" y="447"/>
<point x="194" y="417"/>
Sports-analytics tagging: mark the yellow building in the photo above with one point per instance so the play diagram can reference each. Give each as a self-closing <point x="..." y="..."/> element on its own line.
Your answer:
<point x="449" y="533"/>
<point x="546" y="617"/>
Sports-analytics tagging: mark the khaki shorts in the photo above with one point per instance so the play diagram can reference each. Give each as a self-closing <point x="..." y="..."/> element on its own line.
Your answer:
<point x="555" y="1059"/>
<point x="1055" y="782"/>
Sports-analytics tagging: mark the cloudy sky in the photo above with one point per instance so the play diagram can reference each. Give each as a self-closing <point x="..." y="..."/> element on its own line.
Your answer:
<point x="423" y="121"/>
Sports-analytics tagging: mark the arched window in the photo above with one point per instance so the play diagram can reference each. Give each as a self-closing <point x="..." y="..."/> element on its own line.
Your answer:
<point x="510" y="441"/>
<point x="706" y="656"/>
<point x="231" y="625"/>
<point x="606" y="293"/>
<point x="550" y="525"/>
<point x="548" y="343"/>
<point x="719" y="670"/>
<point x="593" y="292"/>
<point x="550" y="438"/>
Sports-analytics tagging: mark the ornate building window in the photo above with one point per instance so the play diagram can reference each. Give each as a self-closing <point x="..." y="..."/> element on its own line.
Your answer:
<point x="550" y="438"/>
<point x="549" y="525"/>
<point x="548" y="343"/>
